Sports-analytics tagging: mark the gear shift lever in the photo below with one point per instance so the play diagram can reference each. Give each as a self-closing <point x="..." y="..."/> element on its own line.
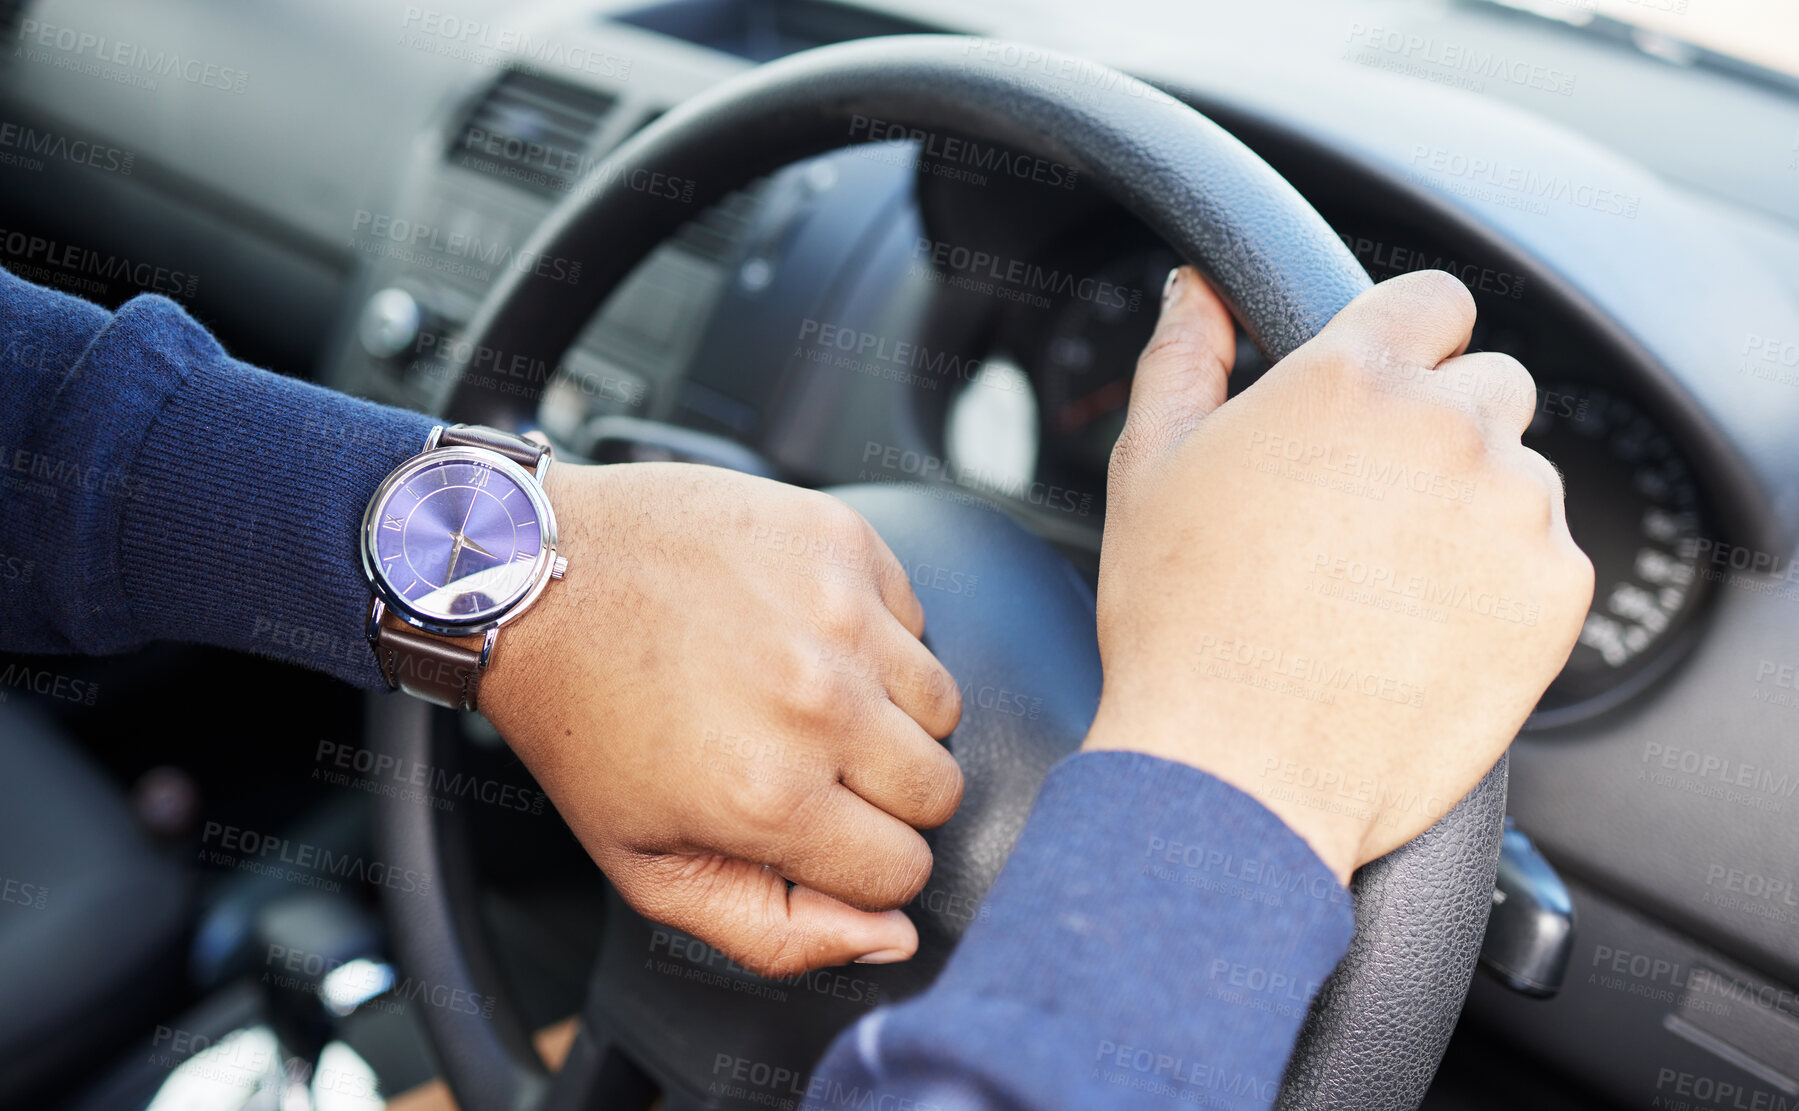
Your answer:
<point x="305" y="938"/>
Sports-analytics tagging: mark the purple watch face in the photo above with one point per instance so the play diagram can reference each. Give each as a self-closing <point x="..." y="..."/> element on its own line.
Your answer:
<point x="459" y="540"/>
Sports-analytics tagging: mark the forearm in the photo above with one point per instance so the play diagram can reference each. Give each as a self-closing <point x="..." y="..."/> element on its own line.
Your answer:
<point x="162" y="490"/>
<point x="1154" y="940"/>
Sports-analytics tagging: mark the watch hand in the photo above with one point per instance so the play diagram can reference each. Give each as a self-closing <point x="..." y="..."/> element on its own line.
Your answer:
<point x="471" y="512"/>
<point x="474" y="547"/>
<point x="455" y="552"/>
<point x="461" y="538"/>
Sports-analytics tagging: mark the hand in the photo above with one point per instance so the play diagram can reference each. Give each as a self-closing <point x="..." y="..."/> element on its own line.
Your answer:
<point x="455" y="553"/>
<point x="461" y="535"/>
<point x="1344" y="590"/>
<point x="728" y="693"/>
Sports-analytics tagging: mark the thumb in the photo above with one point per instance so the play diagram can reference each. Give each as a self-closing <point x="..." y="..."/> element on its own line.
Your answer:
<point x="751" y="915"/>
<point x="1183" y="371"/>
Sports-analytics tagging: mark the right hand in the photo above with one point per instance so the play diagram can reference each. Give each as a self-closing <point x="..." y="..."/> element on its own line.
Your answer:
<point x="1343" y="591"/>
<point x="728" y="693"/>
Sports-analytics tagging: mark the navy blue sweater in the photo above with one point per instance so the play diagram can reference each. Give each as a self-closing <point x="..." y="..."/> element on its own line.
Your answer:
<point x="1153" y="941"/>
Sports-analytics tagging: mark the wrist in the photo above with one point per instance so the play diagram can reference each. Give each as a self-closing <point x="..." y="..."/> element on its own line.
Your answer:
<point x="521" y="675"/>
<point x="1335" y="834"/>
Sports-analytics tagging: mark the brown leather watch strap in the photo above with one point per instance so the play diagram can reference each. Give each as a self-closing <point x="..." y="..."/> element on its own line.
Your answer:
<point x="428" y="667"/>
<point x="524" y="452"/>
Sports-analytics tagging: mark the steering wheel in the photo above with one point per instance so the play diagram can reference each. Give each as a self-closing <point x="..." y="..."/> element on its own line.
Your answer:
<point x="660" y="1012"/>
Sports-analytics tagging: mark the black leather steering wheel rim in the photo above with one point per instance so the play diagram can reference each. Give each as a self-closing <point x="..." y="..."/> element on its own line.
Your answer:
<point x="1378" y="1029"/>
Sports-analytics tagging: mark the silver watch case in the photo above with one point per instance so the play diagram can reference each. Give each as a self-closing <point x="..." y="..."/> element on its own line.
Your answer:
<point x="548" y="562"/>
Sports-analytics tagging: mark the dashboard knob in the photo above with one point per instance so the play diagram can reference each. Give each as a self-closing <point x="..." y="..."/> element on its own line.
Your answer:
<point x="392" y="321"/>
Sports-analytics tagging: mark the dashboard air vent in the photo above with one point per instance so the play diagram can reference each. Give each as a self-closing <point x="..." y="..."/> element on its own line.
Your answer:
<point x="715" y="234"/>
<point x="532" y="132"/>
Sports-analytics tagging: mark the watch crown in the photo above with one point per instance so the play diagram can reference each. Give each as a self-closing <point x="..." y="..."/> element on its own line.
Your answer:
<point x="559" y="568"/>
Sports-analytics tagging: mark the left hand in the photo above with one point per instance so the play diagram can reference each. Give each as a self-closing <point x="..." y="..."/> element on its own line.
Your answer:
<point x="728" y="695"/>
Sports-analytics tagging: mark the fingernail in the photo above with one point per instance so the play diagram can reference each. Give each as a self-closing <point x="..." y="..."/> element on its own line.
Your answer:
<point x="1171" y="289"/>
<point x="884" y="956"/>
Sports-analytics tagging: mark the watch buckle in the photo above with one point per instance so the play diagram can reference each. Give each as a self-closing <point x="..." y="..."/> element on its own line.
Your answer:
<point x="373" y="630"/>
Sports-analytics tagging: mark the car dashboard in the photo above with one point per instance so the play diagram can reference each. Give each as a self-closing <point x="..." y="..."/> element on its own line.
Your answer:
<point x="917" y="308"/>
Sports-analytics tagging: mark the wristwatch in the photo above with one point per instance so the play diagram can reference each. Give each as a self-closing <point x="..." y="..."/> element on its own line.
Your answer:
<point x="458" y="540"/>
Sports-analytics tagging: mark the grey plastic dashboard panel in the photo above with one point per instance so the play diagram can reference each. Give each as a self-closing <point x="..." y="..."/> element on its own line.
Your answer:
<point x="313" y="111"/>
<point x="283" y="130"/>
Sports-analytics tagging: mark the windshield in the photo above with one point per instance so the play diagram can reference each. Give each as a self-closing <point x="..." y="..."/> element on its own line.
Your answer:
<point x="1762" y="33"/>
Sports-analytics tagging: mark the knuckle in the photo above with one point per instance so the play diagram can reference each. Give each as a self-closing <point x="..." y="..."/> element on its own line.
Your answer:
<point x="899" y="877"/>
<point x="1525" y="496"/>
<point x="1547" y="474"/>
<point x="786" y="962"/>
<point x="1172" y="347"/>
<point x="1441" y="291"/>
<point x="777" y="953"/>
<point x="843" y="524"/>
<point x="838" y="611"/>
<point x="1568" y="590"/>
<point x="772" y="802"/>
<point x="913" y="872"/>
<point x="666" y="887"/>
<point x="1149" y="429"/>
<point x="940" y="794"/>
<point x="1127" y="451"/>
<point x="1508" y="370"/>
<point x="931" y="695"/>
<point x="1352" y="373"/>
<point x="822" y="701"/>
<point x="807" y="676"/>
<point x="949" y="702"/>
<point x="1583" y="576"/>
<point x="643" y="882"/>
<point x="1506" y="384"/>
<point x="1461" y="435"/>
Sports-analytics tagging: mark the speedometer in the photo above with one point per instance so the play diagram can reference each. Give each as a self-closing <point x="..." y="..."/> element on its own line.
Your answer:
<point x="1635" y="508"/>
<point x="1635" y="505"/>
<point x="1087" y="356"/>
